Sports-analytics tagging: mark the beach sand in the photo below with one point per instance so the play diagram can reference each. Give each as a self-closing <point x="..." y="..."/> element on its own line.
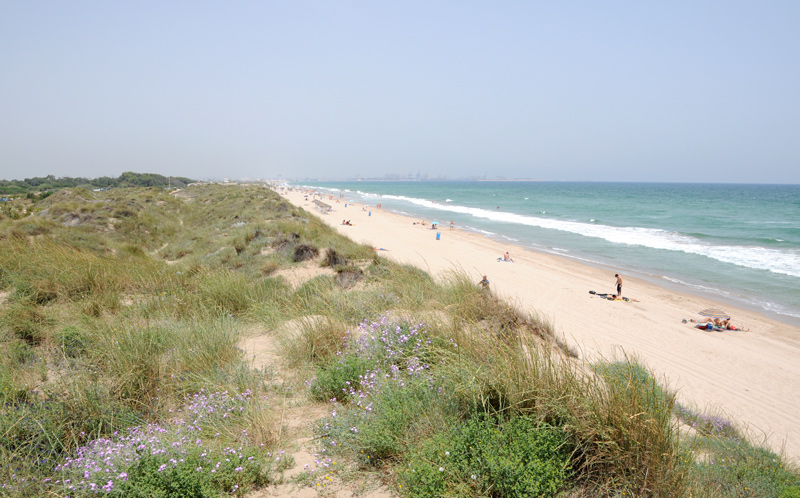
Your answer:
<point x="751" y="378"/>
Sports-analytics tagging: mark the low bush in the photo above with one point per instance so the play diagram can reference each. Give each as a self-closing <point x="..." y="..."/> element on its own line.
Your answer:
<point x="487" y="456"/>
<point x="337" y="379"/>
<point x="705" y="424"/>
<point x="178" y="458"/>
<point x="731" y="466"/>
<point x="193" y="476"/>
<point x="390" y="395"/>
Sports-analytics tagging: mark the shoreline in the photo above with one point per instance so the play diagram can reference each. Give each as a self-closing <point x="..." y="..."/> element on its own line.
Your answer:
<point x="750" y="377"/>
<point x="680" y="270"/>
<point x="676" y="285"/>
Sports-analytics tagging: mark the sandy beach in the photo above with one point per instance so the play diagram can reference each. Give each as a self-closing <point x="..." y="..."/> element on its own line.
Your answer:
<point x="752" y="378"/>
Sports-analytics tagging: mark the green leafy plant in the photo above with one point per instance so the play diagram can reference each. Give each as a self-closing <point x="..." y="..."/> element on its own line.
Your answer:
<point x="486" y="456"/>
<point x="335" y="379"/>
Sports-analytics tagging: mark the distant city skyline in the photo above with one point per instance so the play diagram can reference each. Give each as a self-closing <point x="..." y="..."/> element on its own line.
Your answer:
<point x="584" y="91"/>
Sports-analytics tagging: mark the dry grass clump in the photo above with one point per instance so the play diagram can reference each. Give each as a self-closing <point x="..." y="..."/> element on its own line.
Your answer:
<point x="313" y="340"/>
<point x="333" y="258"/>
<point x="618" y="417"/>
<point x="348" y="276"/>
<point x="304" y="252"/>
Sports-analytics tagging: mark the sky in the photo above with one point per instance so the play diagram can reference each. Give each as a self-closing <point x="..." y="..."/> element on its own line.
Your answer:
<point x="680" y="91"/>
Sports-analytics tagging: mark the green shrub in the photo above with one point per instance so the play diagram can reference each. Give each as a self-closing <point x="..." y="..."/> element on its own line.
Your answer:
<point x="487" y="457"/>
<point x="400" y="414"/>
<point x="156" y="475"/>
<point x="336" y="379"/>
<point x="736" y="468"/>
<point x="790" y="492"/>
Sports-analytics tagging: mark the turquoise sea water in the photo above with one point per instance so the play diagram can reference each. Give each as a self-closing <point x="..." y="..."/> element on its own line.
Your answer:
<point x="735" y="243"/>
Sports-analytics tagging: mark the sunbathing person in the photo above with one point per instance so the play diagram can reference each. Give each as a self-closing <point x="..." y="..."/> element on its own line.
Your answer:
<point x="506" y="258"/>
<point x="614" y="297"/>
<point x="726" y="324"/>
<point x="718" y="323"/>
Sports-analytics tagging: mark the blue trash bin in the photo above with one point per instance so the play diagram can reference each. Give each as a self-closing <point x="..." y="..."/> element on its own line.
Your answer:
<point x="438" y="235"/>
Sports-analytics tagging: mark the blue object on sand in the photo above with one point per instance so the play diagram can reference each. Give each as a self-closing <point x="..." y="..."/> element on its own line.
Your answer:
<point x="438" y="235"/>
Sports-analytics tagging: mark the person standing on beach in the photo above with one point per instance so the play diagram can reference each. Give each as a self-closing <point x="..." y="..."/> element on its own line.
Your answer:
<point x="451" y="224"/>
<point x="619" y="284"/>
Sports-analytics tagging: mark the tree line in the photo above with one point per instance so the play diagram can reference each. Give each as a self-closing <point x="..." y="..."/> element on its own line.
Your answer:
<point x="127" y="179"/>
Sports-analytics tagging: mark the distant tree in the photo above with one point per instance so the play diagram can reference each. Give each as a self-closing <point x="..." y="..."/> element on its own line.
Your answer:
<point x="126" y="179"/>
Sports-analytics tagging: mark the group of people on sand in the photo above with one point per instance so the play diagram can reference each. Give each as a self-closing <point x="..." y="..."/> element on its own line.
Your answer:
<point x="715" y="324"/>
<point x="347" y="222"/>
<point x="434" y="224"/>
<point x="708" y="323"/>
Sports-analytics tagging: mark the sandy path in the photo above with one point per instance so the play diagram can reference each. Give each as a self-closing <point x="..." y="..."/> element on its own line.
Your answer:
<point x="298" y="417"/>
<point x="751" y="377"/>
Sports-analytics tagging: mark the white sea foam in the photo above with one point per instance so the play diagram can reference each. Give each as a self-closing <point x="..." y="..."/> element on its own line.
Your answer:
<point x="786" y="262"/>
<point x="448" y="200"/>
<point x="479" y="230"/>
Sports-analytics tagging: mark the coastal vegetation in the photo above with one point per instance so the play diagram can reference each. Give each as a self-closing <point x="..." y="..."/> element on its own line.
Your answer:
<point x="125" y="370"/>
<point x="128" y="179"/>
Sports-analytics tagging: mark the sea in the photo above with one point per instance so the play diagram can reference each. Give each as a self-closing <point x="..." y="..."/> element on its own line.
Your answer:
<point x="735" y="243"/>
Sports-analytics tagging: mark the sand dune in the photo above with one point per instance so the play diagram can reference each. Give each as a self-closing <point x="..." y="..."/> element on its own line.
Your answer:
<point x="750" y="377"/>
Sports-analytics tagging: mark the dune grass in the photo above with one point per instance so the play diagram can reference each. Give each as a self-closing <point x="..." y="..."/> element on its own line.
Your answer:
<point x="122" y="314"/>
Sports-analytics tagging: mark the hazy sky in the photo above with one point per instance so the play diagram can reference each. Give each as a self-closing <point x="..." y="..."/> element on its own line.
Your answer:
<point x="687" y="91"/>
